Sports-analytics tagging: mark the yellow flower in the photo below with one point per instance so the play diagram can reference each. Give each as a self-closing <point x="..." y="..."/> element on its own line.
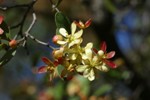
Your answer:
<point x="89" y="62"/>
<point x="104" y="56"/>
<point x="70" y="39"/>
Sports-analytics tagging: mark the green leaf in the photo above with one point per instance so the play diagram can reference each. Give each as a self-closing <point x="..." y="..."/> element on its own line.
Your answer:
<point x="62" y="22"/>
<point x="4" y="27"/>
<point x="102" y="89"/>
<point x="7" y="56"/>
<point x="3" y="46"/>
<point x="59" y="70"/>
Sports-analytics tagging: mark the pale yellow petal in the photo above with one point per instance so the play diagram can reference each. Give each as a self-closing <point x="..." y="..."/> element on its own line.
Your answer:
<point x="77" y="41"/>
<point x="81" y="68"/>
<point x="89" y="45"/>
<point x="71" y="44"/>
<point x="88" y="53"/>
<point x="95" y="59"/>
<point x="73" y="28"/>
<point x="104" y="68"/>
<point x="63" y="32"/>
<point x="98" y="67"/>
<point x="78" y="34"/>
<point x="91" y="76"/>
<point x="74" y="56"/>
<point x="84" y="56"/>
<point x="86" y="72"/>
<point x="61" y="42"/>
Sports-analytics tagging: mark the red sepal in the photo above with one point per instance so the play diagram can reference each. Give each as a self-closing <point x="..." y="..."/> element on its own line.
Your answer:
<point x="103" y="46"/>
<point x="110" y="54"/>
<point x="88" y="23"/>
<point x="95" y="50"/>
<point x="46" y="61"/>
<point x="110" y="64"/>
<point x="42" y="69"/>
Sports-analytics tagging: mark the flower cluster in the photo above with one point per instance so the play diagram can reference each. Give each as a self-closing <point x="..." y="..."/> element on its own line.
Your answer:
<point x="77" y="59"/>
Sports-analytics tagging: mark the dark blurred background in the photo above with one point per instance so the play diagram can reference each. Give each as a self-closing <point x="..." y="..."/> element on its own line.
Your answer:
<point x="123" y="24"/>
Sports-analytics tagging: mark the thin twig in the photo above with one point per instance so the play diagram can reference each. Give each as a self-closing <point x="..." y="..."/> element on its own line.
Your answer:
<point x="54" y="6"/>
<point x="15" y="6"/>
<point x="40" y="42"/>
<point x="21" y="24"/>
<point x="28" y="35"/>
<point x="31" y="25"/>
<point x="28" y="30"/>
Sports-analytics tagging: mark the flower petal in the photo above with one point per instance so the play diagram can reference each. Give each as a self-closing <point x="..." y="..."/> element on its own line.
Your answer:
<point x="89" y="45"/>
<point x="47" y="61"/>
<point x="71" y="44"/>
<point x="78" y="34"/>
<point x="110" y="54"/>
<point x="103" y="46"/>
<point x="95" y="59"/>
<point x="86" y="72"/>
<point x="42" y="69"/>
<point x="63" y="32"/>
<point x="104" y="68"/>
<point x="88" y="53"/>
<point x="73" y="57"/>
<point x="91" y="76"/>
<point x="110" y="64"/>
<point x="84" y="56"/>
<point x="61" y="42"/>
<point x="73" y="28"/>
<point x="81" y="68"/>
<point x="78" y="41"/>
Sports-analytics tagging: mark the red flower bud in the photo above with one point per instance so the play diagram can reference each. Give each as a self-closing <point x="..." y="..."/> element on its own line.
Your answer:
<point x="1" y="19"/>
<point x="13" y="43"/>
<point x="57" y="38"/>
<point x="1" y="31"/>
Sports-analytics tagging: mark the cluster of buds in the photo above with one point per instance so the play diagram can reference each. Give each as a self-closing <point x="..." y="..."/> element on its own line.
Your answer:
<point x="77" y="59"/>
<point x="12" y="43"/>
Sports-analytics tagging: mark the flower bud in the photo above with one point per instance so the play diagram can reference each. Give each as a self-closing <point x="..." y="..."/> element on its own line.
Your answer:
<point x="57" y="38"/>
<point x="13" y="43"/>
<point x="1" y="31"/>
<point x="58" y="53"/>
